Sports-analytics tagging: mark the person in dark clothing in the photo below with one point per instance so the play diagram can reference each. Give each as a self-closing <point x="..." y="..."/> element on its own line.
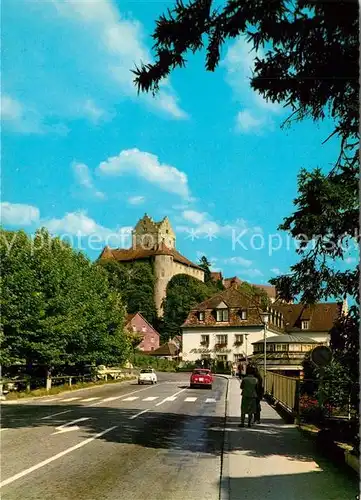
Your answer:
<point x="249" y="396"/>
<point x="260" y="394"/>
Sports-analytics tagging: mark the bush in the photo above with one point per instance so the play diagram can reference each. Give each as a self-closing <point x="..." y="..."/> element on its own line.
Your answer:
<point x="162" y="365"/>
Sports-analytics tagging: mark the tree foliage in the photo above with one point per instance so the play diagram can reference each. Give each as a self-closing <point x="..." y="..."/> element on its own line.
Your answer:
<point x="183" y="293"/>
<point x="311" y="66"/>
<point x="57" y="307"/>
<point x="135" y="282"/>
<point x="259" y="296"/>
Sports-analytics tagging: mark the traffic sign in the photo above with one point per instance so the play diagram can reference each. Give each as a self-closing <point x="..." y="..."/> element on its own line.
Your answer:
<point x="321" y="355"/>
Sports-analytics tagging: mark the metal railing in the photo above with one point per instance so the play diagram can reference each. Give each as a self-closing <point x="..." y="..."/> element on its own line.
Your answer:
<point x="284" y="390"/>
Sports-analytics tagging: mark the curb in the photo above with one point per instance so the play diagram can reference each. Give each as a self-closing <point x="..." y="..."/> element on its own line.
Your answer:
<point x="224" y="487"/>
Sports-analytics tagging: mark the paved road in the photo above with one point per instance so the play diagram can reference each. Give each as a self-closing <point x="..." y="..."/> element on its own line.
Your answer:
<point x="121" y="441"/>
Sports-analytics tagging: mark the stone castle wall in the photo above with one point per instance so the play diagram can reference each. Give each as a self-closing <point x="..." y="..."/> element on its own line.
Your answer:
<point x="164" y="270"/>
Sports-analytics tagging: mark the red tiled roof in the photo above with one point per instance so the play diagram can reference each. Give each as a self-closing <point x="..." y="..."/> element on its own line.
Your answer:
<point x="168" y="349"/>
<point x="216" y="276"/>
<point x="130" y="254"/>
<point x="235" y="300"/>
<point x="321" y="316"/>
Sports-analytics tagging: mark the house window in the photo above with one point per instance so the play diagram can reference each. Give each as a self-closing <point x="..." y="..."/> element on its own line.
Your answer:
<point x="243" y="314"/>
<point x="305" y="325"/>
<point x="281" y="347"/>
<point x="222" y="339"/>
<point x="238" y="339"/>
<point x="201" y="316"/>
<point x="134" y="328"/>
<point x="222" y="314"/>
<point x="237" y="357"/>
<point x="205" y="340"/>
<point x="152" y="340"/>
<point x="144" y="329"/>
<point x="221" y="357"/>
<point x="271" y="347"/>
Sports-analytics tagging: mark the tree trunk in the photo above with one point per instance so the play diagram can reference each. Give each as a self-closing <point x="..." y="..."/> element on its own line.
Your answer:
<point x="48" y="379"/>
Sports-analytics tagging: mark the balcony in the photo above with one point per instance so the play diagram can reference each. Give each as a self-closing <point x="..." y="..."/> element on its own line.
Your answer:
<point x="204" y="343"/>
<point x="220" y="346"/>
<point x="238" y="343"/>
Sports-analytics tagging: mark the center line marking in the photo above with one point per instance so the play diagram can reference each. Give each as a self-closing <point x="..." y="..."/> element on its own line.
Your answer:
<point x="69" y="399"/>
<point x="55" y="414"/>
<point x="137" y="415"/>
<point x="171" y="398"/>
<point x="132" y="398"/>
<point x="69" y="427"/>
<point x="150" y="398"/>
<point x="55" y="457"/>
<point x="90" y="399"/>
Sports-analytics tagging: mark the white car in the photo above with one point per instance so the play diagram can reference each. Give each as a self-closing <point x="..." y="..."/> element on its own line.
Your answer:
<point x="147" y="376"/>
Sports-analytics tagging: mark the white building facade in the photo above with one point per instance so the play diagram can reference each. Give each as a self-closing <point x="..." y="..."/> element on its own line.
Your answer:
<point x="224" y="327"/>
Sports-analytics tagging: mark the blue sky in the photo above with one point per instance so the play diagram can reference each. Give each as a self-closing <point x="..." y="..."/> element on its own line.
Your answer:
<point x="84" y="155"/>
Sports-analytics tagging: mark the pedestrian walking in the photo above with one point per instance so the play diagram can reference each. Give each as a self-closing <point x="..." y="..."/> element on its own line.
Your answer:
<point x="260" y="394"/>
<point x="249" y="396"/>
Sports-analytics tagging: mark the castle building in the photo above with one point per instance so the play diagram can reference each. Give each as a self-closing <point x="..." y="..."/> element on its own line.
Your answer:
<point x="155" y="242"/>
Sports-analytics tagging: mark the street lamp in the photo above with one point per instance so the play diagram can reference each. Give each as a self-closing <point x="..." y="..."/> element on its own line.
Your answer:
<point x="246" y="335"/>
<point x="265" y="319"/>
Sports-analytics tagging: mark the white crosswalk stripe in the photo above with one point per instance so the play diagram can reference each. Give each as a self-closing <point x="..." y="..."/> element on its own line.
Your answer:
<point x="69" y="399"/>
<point x="190" y="400"/>
<point x="211" y="400"/>
<point x="89" y="399"/>
<point x="151" y="398"/>
<point x="110" y="399"/>
<point x="132" y="398"/>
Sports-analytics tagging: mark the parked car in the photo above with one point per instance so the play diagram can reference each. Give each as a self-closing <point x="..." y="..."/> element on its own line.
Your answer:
<point x="201" y="377"/>
<point x="147" y="376"/>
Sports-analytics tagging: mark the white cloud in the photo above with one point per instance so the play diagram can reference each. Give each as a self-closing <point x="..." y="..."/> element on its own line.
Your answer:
<point x="119" y="43"/>
<point x="147" y="166"/>
<point x="76" y="223"/>
<point x="252" y="273"/>
<point x="23" y="119"/>
<point x="194" y="216"/>
<point x="10" y="108"/>
<point x="94" y="112"/>
<point x="255" y="111"/>
<point x="246" y="121"/>
<point x="238" y="261"/>
<point x="81" y="225"/>
<point x="18" y="214"/>
<point x="275" y="270"/>
<point x="203" y="225"/>
<point x="136" y="200"/>
<point x="83" y="177"/>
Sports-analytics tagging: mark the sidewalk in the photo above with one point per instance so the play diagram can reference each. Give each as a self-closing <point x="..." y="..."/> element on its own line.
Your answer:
<point x="272" y="461"/>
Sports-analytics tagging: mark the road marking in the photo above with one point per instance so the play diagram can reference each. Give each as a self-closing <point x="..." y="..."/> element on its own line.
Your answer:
<point x="55" y="414"/>
<point x="132" y="398"/>
<point x="109" y="399"/>
<point x="4" y="429"/>
<point x="137" y="415"/>
<point x="55" y="457"/>
<point x="211" y="400"/>
<point x="150" y="398"/>
<point x="89" y="399"/>
<point x="49" y="400"/>
<point x="70" y="399"/>
<point x="190" y="400"/>
<point x="128" y="394"/>
<point x="171" y="398"/>
<point x="69" y="427"/>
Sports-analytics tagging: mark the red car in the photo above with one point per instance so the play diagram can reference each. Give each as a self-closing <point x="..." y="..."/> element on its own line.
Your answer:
<point x="201" y="377"/>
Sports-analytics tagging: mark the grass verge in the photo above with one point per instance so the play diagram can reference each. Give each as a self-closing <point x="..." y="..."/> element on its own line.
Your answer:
<point x="62" y="388"/>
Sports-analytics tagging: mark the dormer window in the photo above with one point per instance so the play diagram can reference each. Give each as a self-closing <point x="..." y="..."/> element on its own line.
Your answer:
<point x="222" y="315"/>
<point x="243" y="314"/>
<point x="305" y="324"/>
<point x="201" y="315"/>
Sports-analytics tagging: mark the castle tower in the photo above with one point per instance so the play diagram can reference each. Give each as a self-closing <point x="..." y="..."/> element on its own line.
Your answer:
<point x="148" y="234"/>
